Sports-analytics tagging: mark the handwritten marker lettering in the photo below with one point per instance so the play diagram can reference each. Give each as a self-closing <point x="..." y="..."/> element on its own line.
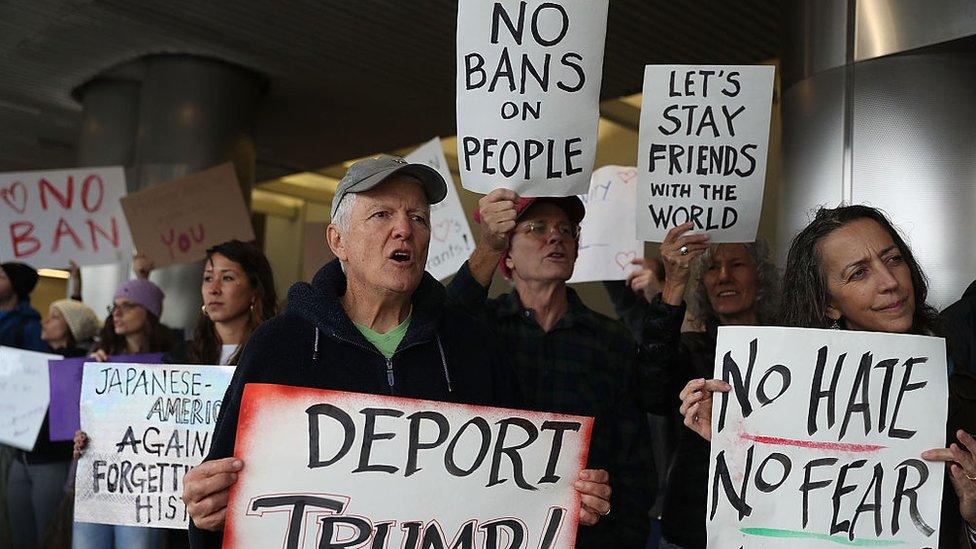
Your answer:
<point x="528" y="81"/>
<point x="830" y="424"/>
<point x="702" y="149"/>
<point x="52" y="217"/>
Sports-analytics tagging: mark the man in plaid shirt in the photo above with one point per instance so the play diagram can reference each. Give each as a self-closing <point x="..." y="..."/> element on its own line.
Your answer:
<point x="567" y="357"/>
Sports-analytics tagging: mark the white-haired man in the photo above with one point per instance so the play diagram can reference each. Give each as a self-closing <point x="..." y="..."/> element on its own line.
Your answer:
<point x="372" y="321"/>
<point x="567" y="357"/>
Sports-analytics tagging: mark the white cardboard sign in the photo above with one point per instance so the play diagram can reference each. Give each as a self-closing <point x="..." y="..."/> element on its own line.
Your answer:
<point x="49" y="218"/>
<point x="451" y="242"/>
<point x="24" y="395"/>
<point x="704" y="133"/>
<point x="818" y="445"/>
<point x="607" y="243"/>
<point x="328" y="467"/>
<point x="528" y="91"/>
<point x="147" y="426"/>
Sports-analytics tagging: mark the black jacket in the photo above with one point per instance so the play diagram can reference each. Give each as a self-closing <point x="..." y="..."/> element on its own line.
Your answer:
<point x="960" y="323"/>
<point x="676" y="359"/>
<point x="962" y="415"/>
<point x="685" y="356"/>
<point x="446" y="355"/>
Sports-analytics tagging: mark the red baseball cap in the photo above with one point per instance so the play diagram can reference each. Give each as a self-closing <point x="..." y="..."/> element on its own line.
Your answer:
<point x="572" y="205"/>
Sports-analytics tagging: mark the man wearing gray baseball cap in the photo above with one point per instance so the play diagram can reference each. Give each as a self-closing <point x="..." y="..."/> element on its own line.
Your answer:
<point x="370" y="172"/>
<point x="371" y="321"/>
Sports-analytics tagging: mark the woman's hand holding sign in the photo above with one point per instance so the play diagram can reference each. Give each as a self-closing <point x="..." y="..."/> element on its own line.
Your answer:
<point x="80" y="443"/>
<point x="696" y="404"/>
<point x="961" y="463"/>
<point x="206" y="489"/>
<point x="678" y="251"/>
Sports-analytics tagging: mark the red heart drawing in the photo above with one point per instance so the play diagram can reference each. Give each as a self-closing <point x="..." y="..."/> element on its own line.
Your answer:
<point x="10" y="196"/>
<point x="441" y="230"/>
<point x="623" y="258"/>
<point x="627" y="175"/>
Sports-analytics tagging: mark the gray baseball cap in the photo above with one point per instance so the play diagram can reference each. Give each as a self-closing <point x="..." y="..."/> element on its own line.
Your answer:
<point x="367" y="173"/>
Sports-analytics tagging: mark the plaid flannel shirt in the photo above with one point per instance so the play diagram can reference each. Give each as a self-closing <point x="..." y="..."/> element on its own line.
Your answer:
<point x="586" y="365"/>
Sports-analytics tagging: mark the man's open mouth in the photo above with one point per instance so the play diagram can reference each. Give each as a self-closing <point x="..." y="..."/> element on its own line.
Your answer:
<point x="400" y="256"/>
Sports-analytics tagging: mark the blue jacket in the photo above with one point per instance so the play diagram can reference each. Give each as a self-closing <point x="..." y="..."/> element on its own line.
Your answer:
<point x="20" y="327"/>
<point x="445" y="355"/>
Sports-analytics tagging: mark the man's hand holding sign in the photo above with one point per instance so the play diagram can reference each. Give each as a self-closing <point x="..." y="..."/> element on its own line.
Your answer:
<point x="473" y="446"/>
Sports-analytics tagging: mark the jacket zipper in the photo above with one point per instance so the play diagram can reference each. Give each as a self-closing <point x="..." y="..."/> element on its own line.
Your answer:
<point x="390" y="380"/>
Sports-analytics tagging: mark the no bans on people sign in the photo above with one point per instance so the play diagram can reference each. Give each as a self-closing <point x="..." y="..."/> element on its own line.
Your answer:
<point x="528" y="91"/>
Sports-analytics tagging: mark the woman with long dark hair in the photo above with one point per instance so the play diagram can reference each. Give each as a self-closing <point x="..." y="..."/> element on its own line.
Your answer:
<point x="238" y="295"/>
<point x="850" y="269"/>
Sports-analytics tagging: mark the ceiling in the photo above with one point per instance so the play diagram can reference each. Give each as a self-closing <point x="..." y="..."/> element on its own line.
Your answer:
<point x="345" y="78"/>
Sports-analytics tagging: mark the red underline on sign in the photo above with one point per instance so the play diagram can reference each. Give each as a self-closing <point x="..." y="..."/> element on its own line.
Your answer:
<point x="817" y="445"/>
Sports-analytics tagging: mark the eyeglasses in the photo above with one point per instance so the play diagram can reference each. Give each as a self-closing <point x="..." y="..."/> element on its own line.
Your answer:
<point x="541" y="229"/>
<point x="123" y="307"/>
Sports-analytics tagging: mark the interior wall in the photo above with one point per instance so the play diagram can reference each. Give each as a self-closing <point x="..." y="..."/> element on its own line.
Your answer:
<point x="913" y="146"/>
<point x="886" y="126"/>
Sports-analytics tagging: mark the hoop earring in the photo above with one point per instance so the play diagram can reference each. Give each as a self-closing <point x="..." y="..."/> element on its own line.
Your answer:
<point x="203" y="309"/>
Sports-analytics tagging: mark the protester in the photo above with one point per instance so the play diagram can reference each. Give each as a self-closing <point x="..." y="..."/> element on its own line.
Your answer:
<point x="734" y="284"/>
<point x="70" y="328"/>
<point x="567" y="357"/>
<point x="371" y="321"/>
<point x="36" y="478"/>
<point x="238" y="295"/>
<point x="20" y="327"/>
<point x="133" y="327"/>
<point x="20" y="324"/>
<point x="850" y="269"/>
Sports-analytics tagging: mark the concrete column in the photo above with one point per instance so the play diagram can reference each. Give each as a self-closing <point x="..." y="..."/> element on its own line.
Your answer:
<point x="194" y="113"/>
<point x="170" y="115"/>
<point x="110" y="108"/>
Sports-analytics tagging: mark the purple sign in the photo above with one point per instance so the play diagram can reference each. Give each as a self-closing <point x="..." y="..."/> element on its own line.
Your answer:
<point x="66" y="390"/>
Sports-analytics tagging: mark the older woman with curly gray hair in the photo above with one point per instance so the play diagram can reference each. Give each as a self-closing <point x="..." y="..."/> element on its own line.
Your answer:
<point x="708" y="279"/>
<point x="736" y="284"/>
